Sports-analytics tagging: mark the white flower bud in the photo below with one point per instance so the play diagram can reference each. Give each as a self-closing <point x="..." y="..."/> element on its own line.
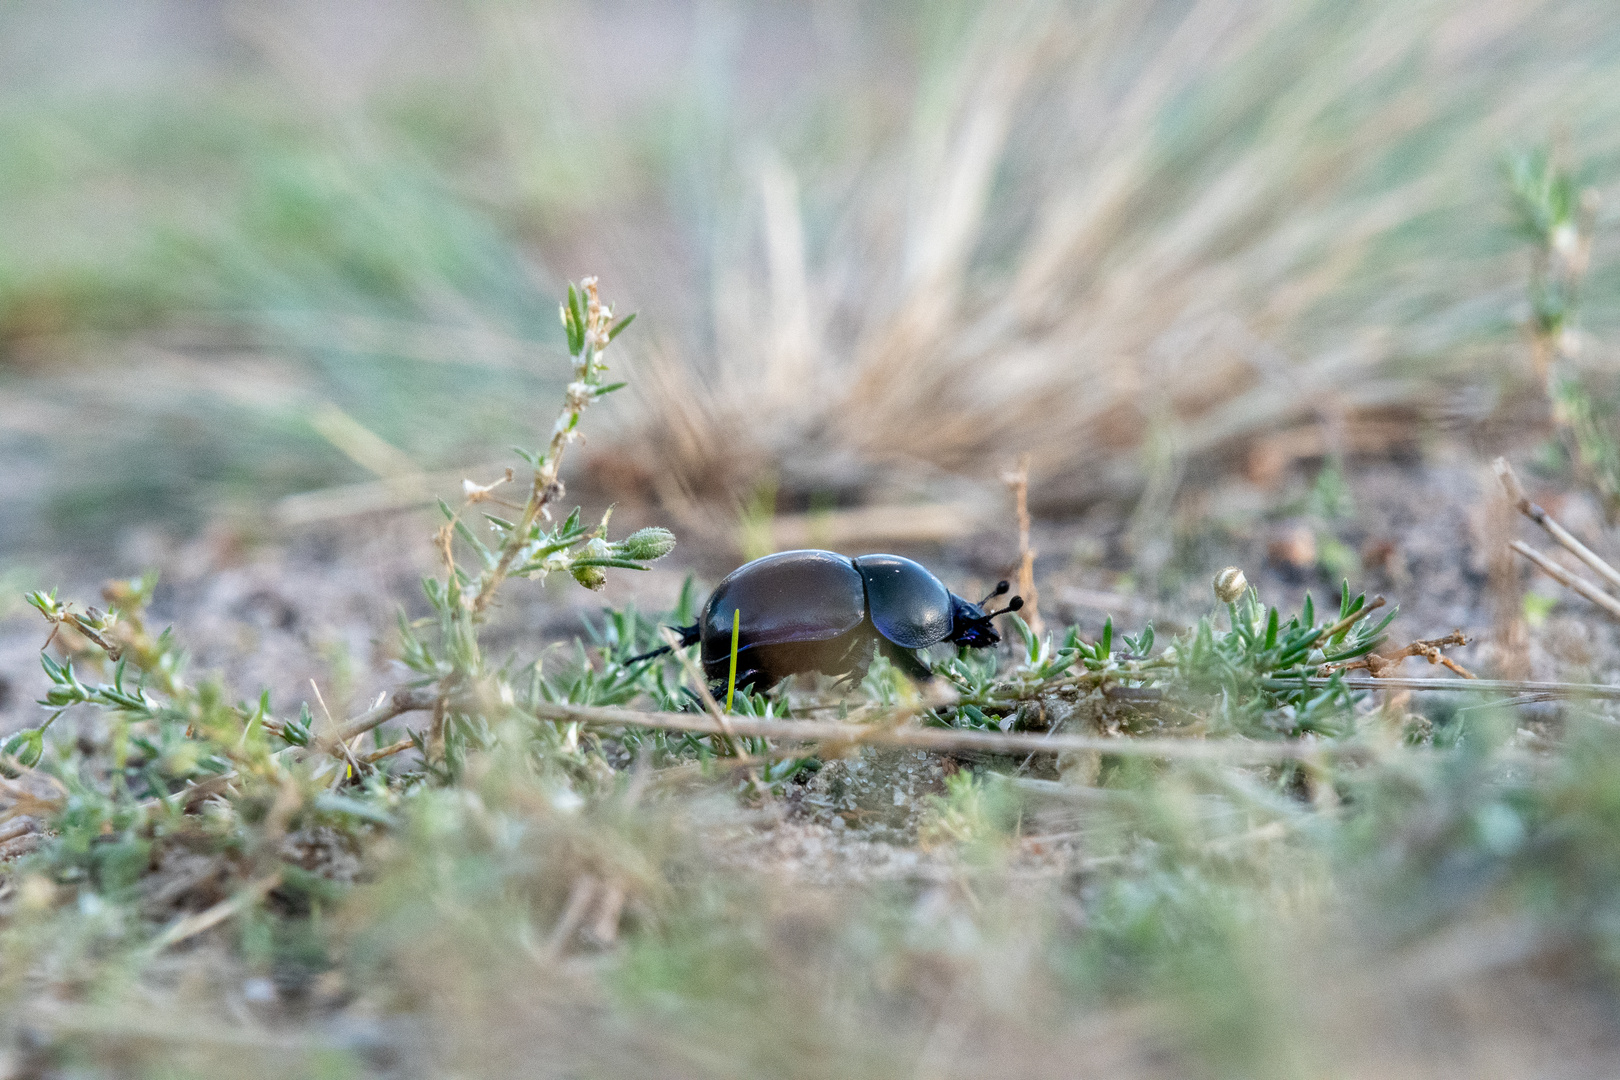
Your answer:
<point x="1230" y="585"/>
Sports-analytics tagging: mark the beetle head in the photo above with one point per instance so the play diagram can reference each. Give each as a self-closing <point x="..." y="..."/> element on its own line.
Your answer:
<point x="970" y="623"/>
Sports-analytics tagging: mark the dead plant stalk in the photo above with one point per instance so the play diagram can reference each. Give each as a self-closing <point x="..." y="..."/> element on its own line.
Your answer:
<point x="1565" y="539"/>
<point x="1018" y="481"/>
<point x="945" y="740"/>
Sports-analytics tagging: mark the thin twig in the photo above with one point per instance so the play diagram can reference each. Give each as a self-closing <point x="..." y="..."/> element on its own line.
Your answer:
<point x="1351" y="619"/>
<point x="1232" y="751"/>
<point x="192" y="925"/>
<point x="1570" y="581"/>
<point x="434" y="743"/>
<point x="388" y="751"/>
<point x="408" y="699"/>
<point x="1428" y="648"/>
<point x="1515" y="492"/>
<point x="1546" y="690"/>
<point x="1019" y="483"/>
<point x="1510" y="633"/>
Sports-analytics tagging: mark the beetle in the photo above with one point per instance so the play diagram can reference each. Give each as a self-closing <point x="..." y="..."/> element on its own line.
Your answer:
<point x="820" y="611"/>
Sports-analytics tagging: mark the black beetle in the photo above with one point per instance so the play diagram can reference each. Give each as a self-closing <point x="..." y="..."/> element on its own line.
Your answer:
<point x="821" y="611"/>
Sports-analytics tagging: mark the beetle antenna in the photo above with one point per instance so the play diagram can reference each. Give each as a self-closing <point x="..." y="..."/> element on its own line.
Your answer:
<point x="689" y="636"/>
<point x="660" y="651"/>
<point x="999" y="590"/>
<point x="1012" y="605"/>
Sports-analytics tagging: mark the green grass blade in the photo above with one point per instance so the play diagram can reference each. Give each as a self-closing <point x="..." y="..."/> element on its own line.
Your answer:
<point x="731" y="679"/>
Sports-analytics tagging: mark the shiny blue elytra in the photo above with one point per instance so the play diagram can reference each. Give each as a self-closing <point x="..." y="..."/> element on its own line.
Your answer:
<point x="801" y="611"/>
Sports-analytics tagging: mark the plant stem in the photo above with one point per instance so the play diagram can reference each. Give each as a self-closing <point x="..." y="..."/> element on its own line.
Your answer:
<point x="541" y="492"/>
<point x="1521" y="502"/>
<point x="1569" y="580"/>
<point x="1230" y="751"/>
<point x="410" y="699"/>
<point x="546" y="486"/>
<point x="1472" y="686"/>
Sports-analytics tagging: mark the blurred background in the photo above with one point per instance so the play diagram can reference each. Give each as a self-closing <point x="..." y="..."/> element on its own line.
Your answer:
<point x="278" y="270"/>
<point x="1264" y="283"/>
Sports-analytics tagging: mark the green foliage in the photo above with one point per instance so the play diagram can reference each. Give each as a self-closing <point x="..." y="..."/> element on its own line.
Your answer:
<point x="1254" y="678"/>
<point x="974" y="811"/>
<point x="165" y="742"/>
<point x="1251" y="679"/>
<point x="1588" y="411"/>
<point x="1546" y="203"/>
<point x="121" y="793"/>
<point x="1556" y="218"/>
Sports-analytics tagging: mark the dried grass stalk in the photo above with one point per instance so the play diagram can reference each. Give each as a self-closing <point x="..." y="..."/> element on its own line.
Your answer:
<point x="1115" y="218"/>
<point x="1566" y="539"/>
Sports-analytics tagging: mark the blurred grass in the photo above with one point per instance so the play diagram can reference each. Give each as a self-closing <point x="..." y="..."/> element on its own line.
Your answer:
<point x="1453" y="916"/>
<point x="865" y="237"/>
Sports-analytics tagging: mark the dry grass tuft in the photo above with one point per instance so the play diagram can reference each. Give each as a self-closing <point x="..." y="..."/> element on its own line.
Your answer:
<point x="1129" y="225"/>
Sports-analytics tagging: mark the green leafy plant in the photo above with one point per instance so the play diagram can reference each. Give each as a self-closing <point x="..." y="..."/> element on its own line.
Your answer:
<point x="975" y="811"/>
<point x="1556" y="217"/>
<point x="1255" y="678"/>
<point x="169" y="744"/>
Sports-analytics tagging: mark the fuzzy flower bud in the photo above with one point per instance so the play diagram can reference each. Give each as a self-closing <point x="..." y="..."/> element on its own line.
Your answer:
<point x="592" y="577"/>
<point x="1229" y="585"/>
<point x="645" y="545"/>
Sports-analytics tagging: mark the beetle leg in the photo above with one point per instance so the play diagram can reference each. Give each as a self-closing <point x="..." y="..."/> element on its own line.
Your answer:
<point x="751" y="679"/>
<point x="856" y="659"/>
<point x="907" y="661"/>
